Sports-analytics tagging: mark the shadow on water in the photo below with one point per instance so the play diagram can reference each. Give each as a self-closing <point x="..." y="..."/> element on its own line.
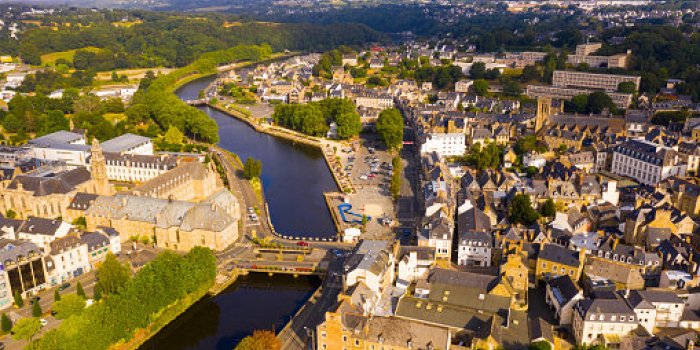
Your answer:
<point x="256" y="301"/>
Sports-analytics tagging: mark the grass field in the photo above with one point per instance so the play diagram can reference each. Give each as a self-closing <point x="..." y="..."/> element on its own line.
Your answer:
<point x="132" y="74"/>
<point x="115" y="117"/>
<point x="127" y="24"/>
<point x="51" y="58"/>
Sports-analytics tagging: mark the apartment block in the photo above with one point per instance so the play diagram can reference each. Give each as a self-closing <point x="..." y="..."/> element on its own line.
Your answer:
<point x="606" y="82"/>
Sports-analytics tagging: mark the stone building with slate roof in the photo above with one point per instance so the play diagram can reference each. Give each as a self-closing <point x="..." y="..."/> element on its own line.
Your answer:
<point x="173" y="224"/>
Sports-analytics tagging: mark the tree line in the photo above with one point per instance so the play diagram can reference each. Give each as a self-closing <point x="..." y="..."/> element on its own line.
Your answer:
<point x="314" y="118"/>
<point x="155" y="100"/>
<point x="165" y="280"/>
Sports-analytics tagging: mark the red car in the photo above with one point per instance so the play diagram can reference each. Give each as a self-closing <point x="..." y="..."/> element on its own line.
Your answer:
<point x="302" y="244"/>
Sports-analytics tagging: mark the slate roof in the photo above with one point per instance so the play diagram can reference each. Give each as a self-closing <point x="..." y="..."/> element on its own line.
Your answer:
<point x="563" y="288"/>
<point x="40" y="226"/>
<point x="61" y="183"/>
<point x="559" y="254"/>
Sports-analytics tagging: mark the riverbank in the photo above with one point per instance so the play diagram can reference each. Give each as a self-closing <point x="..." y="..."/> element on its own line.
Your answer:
<point x="163" y="319"/>
<point x="333" y="166"/>
<point x="344" y="184"/>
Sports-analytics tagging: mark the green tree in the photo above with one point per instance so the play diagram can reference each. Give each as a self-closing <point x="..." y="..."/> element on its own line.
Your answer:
<point x="390" y="128"/>
<point x="579" y="104"/>
<point x="112" y="275"/>
<point x="541" y="345"/>
<point x="530" y="73"/>
<point x="56" y="295"/>
<point x="19" y="302"/>
<point x="521" y="211"/>
<point x="138" y="113"/>
<point x="511" y="88"/>
<point x="480" y="87"/>
<point x="627" y="87"/>
<point x="396" y="178"/>
<point x="598" y="101"/>
<point x="97" y="292"/>
<point x="80" y="291"/>
<point x="36" y="309"/>
<point x="10" y="214"/>
<point x="252" y="168"/>
<point x="26" y="328"/>
<point x="349" y="125"/>
<point x="549" y="209"/>
<point x="260" y="340"/>
<point x="5" y="323"/>
<point x="478" y="70"/>
<point x="174" y="135"/>
<point x="69" y="305"/>
<point x="89" y="104"/>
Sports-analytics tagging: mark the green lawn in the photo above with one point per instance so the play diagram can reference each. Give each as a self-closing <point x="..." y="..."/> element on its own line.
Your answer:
<point x="50" y="58"/>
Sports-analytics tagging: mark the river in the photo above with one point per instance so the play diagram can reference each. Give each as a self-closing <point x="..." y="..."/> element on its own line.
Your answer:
<point x="294" y="178"/>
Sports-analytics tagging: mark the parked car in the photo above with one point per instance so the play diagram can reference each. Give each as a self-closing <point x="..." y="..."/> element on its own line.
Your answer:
<point x="64" y="286"/>
<point x="302" y="244"/>
<point x="363" y="177"/>
<point x="43" y="322"/>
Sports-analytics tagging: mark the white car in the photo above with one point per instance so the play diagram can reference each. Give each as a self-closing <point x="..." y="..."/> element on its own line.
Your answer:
<point x="43" y="322"/>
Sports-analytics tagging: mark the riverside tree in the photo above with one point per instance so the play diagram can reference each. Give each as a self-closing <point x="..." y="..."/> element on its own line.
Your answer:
<point x="260" y="340"/>
<point x="70" y="305"/>
<point x="252" y="168"/>
<point x="112" y="275"/>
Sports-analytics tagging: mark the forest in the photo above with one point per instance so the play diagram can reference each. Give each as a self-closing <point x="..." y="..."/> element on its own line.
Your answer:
<point x="175" y="40"/>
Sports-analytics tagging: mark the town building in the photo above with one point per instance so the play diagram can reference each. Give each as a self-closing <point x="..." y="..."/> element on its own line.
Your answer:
<point x="23" y="270"/>
<point x="444" y="144"/>
<point x="172" y="224"/>
<point x="605" y="82"/>
<point x="603" y="321"/>
<point x="68" y="258"/>
<point x="372" y="264"/>
<point x="647" y="162"/>
<point x="561" y="295"/>
<point x="555" y="260"/>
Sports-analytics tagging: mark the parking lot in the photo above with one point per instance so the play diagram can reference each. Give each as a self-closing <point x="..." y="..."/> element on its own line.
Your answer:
<point x="369" y="168"/>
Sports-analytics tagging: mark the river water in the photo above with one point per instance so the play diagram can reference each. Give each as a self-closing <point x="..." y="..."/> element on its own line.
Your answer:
<point x="294" y="178"/>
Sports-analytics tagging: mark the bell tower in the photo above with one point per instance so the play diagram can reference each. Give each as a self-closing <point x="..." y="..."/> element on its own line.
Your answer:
<point x="544" y="111"/>
<point x="98" y="170"/>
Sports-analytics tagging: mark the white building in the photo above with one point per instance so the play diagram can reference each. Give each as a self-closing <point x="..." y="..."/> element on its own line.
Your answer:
<point x="463" y="85"/>
<point x="68" y="259"/>
<point x="372" y="263"/>
<point x="596" y="320"/>
<point x="532" y="159"/>
<point x="414" y="263"/>
<point x="475" y="244"/>
<point x="137" y="168"/>
<point x="665" y="307"/>
<point x="475" y="248"/>
<point x="65" y="146"/>
<point x="42" y="232"/>
<point x="445" y="144"/>
<point x="646" y="162"/>
<point x="129" y="144"/>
